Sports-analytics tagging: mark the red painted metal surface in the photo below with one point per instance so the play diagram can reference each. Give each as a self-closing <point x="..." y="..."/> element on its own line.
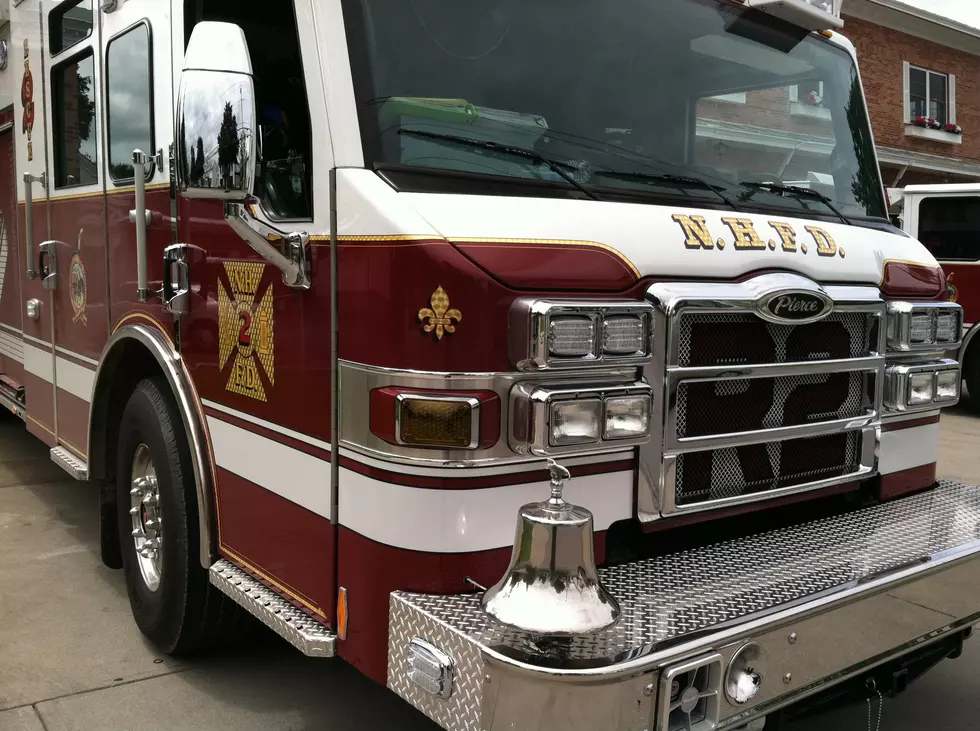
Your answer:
<point x="285" y="544"/>
<point x="371" y="571"/>
<point x="963" y="281"/>
<point x="906" y="482"/>
<point x="910" y="423"/>
<point x="905" y="279"/>
<point x="11" y="304"/>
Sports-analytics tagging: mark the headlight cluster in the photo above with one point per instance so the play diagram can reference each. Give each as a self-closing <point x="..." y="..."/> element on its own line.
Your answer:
<point x="549" y="420"/>
<point x="922" y="386"/>
<point x="567" y="334"/>
<point x="916" y="326"/>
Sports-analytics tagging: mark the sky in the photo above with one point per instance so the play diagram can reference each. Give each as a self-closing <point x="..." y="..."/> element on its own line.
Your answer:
<point x="965" y="11"/>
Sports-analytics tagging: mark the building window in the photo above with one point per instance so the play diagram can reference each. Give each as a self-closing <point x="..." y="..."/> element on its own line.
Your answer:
<point x="807" y="99"/>
<point x="73" y="113"/>
<point x="129" y="95"/>
<point x="930" y="95"/>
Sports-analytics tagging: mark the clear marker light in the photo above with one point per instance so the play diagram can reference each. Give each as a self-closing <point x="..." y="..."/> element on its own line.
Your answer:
<point x="571" y="337"/>
<point x="921" y="388"/>
<point x="627" y="416"/>
<point x="623" y="335"/>
<point x="575" y="422"/>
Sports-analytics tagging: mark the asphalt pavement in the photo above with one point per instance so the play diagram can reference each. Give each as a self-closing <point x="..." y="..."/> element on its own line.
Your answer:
<point x="71" y="658"/>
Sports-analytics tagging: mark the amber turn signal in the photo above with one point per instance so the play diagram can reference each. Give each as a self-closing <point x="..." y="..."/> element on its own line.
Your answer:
<point x="446" y="420"/>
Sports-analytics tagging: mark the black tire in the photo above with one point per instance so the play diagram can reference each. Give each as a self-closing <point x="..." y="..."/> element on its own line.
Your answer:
<point x="185" y="613"/>
<point x="971" y="374"/>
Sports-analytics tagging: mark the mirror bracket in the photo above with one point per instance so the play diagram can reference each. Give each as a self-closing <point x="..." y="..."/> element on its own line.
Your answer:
<point x="285" y="250"/>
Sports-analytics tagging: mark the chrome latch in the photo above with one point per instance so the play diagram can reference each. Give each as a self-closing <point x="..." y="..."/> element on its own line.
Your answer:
<point x="176" y="290"/>
<point x="47" y="264"/>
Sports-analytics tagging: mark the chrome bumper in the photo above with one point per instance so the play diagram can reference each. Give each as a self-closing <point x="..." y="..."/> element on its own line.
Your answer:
<point x="824" y="600"/>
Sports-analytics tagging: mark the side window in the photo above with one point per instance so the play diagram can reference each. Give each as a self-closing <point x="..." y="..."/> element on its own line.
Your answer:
<point x="284" y="180"/>
<point x="129" y="94"/>
<point x="950" y="227"/>
<point x="73" y="111"/>
<point x="69" y="23"/>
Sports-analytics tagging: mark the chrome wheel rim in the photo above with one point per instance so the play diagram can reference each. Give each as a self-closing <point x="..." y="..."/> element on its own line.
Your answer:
<point x="147" y="522"/>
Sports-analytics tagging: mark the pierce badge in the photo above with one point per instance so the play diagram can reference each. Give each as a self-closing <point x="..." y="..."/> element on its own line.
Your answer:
<point x="246" y="330"/>
<point x="439" y="317"/>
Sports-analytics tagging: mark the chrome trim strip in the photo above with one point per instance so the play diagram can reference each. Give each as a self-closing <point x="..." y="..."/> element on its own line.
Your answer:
<point x="335" y="395"/>
<point x="358" y="380"/>
<point x="677" y="375"/>
<point x="191" y="415"/>
<point x="779" y="434"/>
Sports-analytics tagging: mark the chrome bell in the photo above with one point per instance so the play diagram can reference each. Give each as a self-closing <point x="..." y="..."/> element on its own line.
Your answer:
<point x="552" y="587"/>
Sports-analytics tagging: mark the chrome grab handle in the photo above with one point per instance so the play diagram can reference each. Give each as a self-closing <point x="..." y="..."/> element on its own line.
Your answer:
<point x="29" y="180"/>
<point x="47" y="264"/>
<point x="176" y="291"/>
<point x="138" y="217"/>
<point x="284" y="250"/>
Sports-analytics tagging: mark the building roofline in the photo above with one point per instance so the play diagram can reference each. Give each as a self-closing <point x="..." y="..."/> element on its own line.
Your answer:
<point x="928" y="16"/>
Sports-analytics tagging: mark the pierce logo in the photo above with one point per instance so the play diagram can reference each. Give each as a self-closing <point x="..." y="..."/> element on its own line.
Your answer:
<point x="797" y="307"/>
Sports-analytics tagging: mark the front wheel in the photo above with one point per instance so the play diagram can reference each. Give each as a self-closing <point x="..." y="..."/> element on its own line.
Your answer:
<point x="971" y="374"/>
<point x="172" y="600"/>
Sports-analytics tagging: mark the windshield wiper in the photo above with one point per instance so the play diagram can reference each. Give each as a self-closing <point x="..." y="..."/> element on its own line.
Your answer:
<point x="677" y="181"/>
<point x="555" y="167"/>
<point x="798" y="192"/>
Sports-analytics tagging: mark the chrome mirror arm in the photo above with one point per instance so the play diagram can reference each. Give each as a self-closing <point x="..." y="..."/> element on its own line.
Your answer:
<point x="284" y="250"/>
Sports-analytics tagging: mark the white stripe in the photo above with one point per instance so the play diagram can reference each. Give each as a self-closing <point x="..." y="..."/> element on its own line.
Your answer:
<point x="11" y="328"/>
<point x="38" y="362"/>
<point x="907" y="448"/>
<point x="460" y="521"/>
<point x="289" y="473"/>
<point x="12" y="347"/>
<point x="33" y="339"/>
<point x="267" y="424"/>
<point x="79" y="356"/>
<point x="75" y="379"/>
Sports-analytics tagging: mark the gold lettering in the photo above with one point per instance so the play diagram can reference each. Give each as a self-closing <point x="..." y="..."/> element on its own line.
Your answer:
<point x="696" y="231"/>
<point x="746" y="237"/>
<point x="787" y="234"/>
<point x="826" y="246"/>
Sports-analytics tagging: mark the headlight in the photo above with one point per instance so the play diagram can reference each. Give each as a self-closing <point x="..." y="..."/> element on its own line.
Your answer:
<point x="571" y="334"/>
<point x="575" y="422"/>
<point x="546" y="420"/>
<point x="923" y="326"/>
<point x="627" y="416"/>
<point x="922" y="386"/>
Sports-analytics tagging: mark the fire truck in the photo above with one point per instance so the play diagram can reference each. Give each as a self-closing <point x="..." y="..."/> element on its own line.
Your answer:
<point x="328" y="298"/>
<point x="946" y="219"/>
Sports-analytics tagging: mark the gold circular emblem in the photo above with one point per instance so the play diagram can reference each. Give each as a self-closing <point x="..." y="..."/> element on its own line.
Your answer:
<point x="77" y="287"/>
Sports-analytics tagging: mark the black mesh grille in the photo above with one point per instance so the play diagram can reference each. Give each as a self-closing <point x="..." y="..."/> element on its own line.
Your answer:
<point x="726" y="473"/>
<point x="743" y="339"/>
<point x="728" y="407"/>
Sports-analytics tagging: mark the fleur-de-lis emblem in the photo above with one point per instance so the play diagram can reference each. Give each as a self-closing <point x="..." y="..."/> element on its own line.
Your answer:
<point x="439" y="317"/>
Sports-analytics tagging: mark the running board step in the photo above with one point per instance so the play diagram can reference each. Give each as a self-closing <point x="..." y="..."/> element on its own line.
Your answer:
<point x="290" y="623"/>
<point x="66" y="460"/>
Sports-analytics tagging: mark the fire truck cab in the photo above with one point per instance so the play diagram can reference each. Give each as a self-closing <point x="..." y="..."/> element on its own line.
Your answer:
<point x="946" y="219"/>
<point x="328" y="297"/>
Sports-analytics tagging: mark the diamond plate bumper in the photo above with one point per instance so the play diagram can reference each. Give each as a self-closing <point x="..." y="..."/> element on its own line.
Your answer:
<point x="856" y="590"/>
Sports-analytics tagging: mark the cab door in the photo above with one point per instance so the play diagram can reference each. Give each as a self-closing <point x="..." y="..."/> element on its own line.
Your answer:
<point x="138" y="107"/>
<point x="71" y="261"/>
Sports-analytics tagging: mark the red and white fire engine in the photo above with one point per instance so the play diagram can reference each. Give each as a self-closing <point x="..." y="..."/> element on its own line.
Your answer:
<point x="946" y="219"/>
<point x="327" y="296"/>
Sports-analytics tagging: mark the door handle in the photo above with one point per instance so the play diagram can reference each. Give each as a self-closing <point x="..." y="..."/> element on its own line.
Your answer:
<point x="29" y="181"/>
<point x="47" y="264"/>
<point x="176" y="292"/>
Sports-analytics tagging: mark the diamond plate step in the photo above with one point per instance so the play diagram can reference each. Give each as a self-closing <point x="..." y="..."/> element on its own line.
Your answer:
<point x="290" y="623"/>
<point x="73" y="465"/>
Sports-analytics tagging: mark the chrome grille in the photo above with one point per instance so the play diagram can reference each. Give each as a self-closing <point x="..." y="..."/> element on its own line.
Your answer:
<point x="711" y="339"/>
<point x="755" y="468"/>
<point x="769" y="403"/>
<point x="755" y="409"/>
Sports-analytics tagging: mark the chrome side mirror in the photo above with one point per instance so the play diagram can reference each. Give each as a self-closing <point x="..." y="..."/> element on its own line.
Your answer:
<point x="216" y="128"/>
<point x="217" y="137"/>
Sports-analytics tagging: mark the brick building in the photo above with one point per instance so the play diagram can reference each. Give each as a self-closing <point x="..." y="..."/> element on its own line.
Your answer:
<point x="917" y="64"/>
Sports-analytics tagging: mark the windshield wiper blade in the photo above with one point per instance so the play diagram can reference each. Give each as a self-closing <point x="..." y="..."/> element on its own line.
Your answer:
<point x="799" y="192"/>
<point x="678" y="181"/>
<point x="555" y="167"/>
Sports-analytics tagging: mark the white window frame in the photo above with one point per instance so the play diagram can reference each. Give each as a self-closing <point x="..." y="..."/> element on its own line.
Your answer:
<point x="938" y="135"/>
<point x="803" y="109"/>
<point x="737" y="97"/>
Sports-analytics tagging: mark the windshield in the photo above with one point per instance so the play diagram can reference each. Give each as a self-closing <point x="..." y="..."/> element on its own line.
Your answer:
<point x="696" y="101"/>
